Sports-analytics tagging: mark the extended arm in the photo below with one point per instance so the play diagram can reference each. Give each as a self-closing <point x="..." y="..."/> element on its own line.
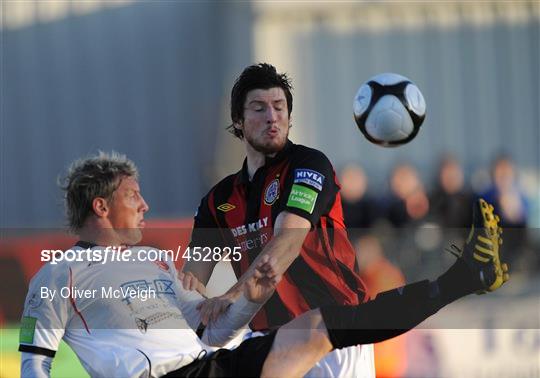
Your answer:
<point x="290" y="230"/>
<point x="257" y="289"/>
<point x="227" y="326"/>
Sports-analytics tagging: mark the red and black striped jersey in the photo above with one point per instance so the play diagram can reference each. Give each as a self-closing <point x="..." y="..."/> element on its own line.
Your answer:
<point x="239" y="212"/>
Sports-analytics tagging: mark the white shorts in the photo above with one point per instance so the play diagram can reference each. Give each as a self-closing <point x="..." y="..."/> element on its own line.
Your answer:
<point x="356" y="361"/>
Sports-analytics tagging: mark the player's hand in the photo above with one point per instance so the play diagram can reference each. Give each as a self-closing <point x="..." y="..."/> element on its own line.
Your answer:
<point x="191" y="283"/>
<point x="261" y="285"/>
<point x="212" y="308"/>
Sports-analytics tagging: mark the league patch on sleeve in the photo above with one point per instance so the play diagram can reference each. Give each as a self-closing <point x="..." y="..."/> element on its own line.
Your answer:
<point x="28" y="328"/>
<point x="302" y="198"/>
<point x="309" y="177"/>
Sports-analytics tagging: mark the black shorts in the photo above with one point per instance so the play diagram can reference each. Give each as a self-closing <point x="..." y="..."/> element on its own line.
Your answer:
<point x="245" y="361"/>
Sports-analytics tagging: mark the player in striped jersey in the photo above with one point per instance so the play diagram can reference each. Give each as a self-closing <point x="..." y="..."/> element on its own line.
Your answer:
<point x="284" y="203"/>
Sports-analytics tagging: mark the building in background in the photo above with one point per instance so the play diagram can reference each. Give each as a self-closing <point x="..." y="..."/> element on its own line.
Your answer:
<point x="152" y="79"/>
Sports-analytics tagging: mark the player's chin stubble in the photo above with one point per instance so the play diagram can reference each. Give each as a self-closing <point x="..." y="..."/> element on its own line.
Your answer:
<point x="267" y="148"/>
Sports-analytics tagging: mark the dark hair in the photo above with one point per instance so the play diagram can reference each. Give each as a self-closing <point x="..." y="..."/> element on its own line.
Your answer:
<point x="257" y="76"/>
<point x="95" y="176"/>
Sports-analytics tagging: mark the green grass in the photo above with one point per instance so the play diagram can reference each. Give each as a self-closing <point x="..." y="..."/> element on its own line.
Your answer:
<point x="65" y="363"/>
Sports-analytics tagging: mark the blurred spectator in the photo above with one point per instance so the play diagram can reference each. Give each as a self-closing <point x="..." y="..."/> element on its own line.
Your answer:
<point x="506" y="195"/>
<point x="377" y="272"/>
<point x="379" y="275"/>
<point x="510" y="203"/>
<point x="359" y="209"/>
<point x="450" y="201"/>
<point x="529" y="179"/>
<point x="408" y="201"/>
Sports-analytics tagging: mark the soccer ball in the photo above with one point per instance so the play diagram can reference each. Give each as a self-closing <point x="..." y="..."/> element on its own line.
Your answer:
<point x="389" y="109"/>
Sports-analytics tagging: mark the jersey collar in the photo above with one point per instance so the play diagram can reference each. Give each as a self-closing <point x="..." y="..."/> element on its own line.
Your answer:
<point x="85" y="244"/>
<point x="243" y="176"/>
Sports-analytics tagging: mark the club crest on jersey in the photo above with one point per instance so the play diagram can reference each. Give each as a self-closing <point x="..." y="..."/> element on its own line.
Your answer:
<point x="309" y="177"/>
<point x="271" y="193"/>
<point x="226" y="207"/>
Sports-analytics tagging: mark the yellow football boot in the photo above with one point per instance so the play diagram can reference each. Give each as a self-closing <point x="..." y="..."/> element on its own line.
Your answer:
<point x="481" y="251"/>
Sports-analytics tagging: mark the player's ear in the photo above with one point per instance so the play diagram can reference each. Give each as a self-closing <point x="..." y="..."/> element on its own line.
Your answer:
<point x="100" y="207"/>
<point x="238" y="125"/>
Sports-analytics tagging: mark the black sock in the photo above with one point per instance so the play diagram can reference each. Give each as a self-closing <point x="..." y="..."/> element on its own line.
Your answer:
<point x="457" y="282"/>
<point x="388" y="315"/>
<point x="396" y="311"/>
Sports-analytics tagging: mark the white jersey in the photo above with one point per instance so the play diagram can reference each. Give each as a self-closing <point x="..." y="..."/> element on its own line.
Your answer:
<point x="121" y="318"/>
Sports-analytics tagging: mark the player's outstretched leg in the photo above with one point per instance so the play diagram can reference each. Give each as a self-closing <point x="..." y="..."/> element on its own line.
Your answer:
<point x="477" y="269"/>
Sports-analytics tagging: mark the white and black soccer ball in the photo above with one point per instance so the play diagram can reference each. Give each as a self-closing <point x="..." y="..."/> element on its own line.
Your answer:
<point x="389" y="109"/>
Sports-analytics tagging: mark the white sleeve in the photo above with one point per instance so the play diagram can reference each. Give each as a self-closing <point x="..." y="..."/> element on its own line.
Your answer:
<point x="188" y="301"/>
<point x="45" y="316"/>
<point x="35" y="366"/>
<point x="230" y="323"/>
<point x="226" y="327"/>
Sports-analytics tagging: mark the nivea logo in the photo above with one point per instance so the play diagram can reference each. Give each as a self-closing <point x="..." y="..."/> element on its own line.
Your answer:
<point x="309" y="177"/>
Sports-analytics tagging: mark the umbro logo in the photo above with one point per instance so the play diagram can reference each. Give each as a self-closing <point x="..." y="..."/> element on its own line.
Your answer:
<point x="226" y="207"/>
